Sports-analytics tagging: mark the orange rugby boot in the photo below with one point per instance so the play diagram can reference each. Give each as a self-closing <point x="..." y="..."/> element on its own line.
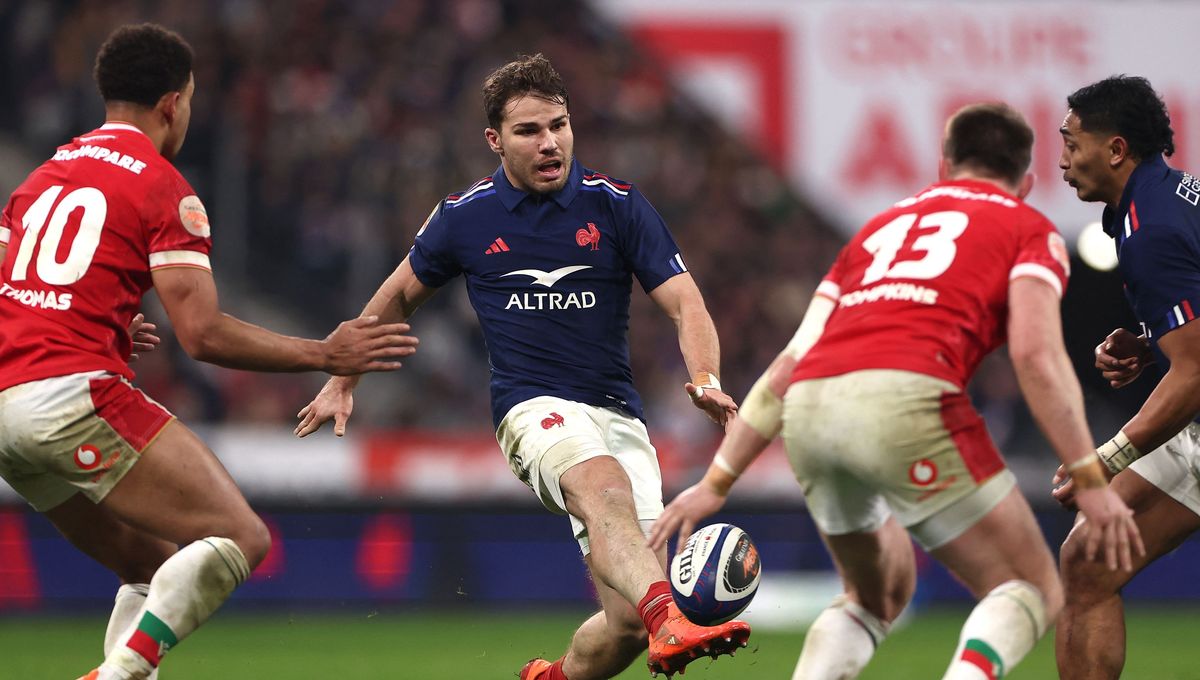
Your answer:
<point x="679" y="642"/>
<point x="534" y="669"/>
<point x="91" y="676"/>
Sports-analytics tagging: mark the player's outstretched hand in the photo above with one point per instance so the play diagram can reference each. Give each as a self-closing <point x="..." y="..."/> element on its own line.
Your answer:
<point x="363" y="344"/>
<point x="1110" y="527"/>
<point x="682" y="514"/>
<point x="718" y="406"/>
<point x="334" y="402"/>
<point x="1122" y="356"/>
<point x="142" y="333"/>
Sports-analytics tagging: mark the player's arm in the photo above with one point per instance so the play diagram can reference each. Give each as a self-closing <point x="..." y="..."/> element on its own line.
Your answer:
<point x="189" y="296"/>
<point x="680" y="299"/>
<point x="5" y="234"/>
<point x="757" y="423"/>
<point x="1174" y="403"/>
<point x="1052" y="391"/>
<point x="396" y="300"/>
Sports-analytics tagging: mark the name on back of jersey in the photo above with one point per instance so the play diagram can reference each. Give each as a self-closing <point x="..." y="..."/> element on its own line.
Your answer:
<point x="41" y="299"/>
<point x="101" y="153"/>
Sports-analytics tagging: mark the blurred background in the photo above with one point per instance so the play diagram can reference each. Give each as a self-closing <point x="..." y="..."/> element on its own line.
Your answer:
<point x="764" y="131"/>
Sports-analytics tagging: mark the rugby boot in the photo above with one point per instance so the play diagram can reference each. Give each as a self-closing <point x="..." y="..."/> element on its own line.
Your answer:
<point x="679" y="642"/>
<point x="534" y="669"/>
<point x="91" y="676"/>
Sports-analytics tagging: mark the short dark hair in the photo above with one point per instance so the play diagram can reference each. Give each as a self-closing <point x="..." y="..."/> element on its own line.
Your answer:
<point x="992" y="139"/>
<point x="524" y="76"/>
<point x="141" y="63"/>
<point x="1129" y="107"/>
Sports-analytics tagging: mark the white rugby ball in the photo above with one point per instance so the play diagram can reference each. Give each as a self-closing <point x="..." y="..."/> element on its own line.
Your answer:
<point x="715" y="574"/>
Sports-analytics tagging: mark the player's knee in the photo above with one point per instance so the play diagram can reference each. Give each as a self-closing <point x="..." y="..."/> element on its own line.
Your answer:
<point x="253" y="539"/>
<point x="1083" y="580"/>
<point x="598" y="489"/>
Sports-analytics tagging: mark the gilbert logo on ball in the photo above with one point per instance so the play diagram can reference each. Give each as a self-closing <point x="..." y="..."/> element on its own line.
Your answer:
<point x="715" y="575"/>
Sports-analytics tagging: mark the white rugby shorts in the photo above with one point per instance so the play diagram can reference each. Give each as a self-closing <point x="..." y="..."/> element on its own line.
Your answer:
<point x="870" y="443"/>
<point x="74" y="433"/>
<point x="1174" y="467"/>
<point x="544" y="437"/>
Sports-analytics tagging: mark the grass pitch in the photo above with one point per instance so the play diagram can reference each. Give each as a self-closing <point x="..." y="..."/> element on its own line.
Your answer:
<point x="426" y="646"/>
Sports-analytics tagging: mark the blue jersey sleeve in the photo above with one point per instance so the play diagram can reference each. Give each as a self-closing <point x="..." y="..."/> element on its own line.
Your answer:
<point x="1161" y="267"/>
<point x="650" y="251"/>
<point x="432" y="257"/>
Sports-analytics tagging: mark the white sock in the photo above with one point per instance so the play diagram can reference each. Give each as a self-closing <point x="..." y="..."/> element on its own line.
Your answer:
<point x="184" y="592"/>
<point x="130" y="599"/>
<point x="840" y="642"/>
<point x="1001" y="630"/>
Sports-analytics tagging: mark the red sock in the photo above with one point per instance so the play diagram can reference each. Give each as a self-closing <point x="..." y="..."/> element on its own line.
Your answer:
<point x="653" y="607"/>
<point x="555" y="671"/>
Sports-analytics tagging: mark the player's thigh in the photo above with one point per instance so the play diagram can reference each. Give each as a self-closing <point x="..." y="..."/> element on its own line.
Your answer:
<point x="544" y="437"/>
<point x="131" y="554"/>
<point x="878" y="568"/>
<point x="179" y="491"/>
<point x="568" y="453"/>
<point x="78" y="433"/>
<point x="1004" y="544"/>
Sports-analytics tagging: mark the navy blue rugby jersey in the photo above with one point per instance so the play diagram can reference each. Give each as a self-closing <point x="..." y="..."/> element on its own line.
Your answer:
<point x="1157" y="232"/>
<point x="550" y="278"/>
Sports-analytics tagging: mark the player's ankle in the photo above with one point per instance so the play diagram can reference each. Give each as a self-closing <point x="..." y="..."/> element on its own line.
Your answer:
<point x="654" y="605"/>
<point x="125" y="664"/>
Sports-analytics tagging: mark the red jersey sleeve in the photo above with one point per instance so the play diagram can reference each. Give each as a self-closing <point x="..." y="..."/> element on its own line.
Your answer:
<point x="831" y="285"/>
<point x="1042" y="254"/>
<point x="6" y="226"/>
<point x="179" y="234"/>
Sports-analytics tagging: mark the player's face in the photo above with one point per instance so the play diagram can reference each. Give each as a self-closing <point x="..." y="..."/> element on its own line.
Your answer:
<point x="1084" y="161"/>
<point x="535" y="144"/>
<point x="177" y="130"/>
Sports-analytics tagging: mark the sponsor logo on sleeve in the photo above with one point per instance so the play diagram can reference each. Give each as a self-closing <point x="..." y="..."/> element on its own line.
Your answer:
<point x="194" y="217"/>
<point x="1058" y="250"/>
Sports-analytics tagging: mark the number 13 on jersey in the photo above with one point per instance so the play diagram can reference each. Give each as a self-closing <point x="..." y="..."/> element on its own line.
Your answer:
<point x="937" y="247"/>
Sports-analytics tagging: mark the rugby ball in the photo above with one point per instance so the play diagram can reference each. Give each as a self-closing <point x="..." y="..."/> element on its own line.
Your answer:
<point x="715" y="574"/>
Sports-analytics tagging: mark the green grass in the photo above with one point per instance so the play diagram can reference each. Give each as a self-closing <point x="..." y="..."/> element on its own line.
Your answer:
<point x="425" y="646"/>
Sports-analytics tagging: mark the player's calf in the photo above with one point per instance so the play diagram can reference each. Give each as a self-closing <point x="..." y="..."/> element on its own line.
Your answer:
<point x="185" y="591"/>
<point x="840" y="641"/>
<point x="1001" y="630"/>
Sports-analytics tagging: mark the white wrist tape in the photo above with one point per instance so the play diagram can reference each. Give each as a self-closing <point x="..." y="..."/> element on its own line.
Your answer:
<point x="705" y="381"/>
<point x="1118" y="452"/>
<point x="762" y="410"/>
<point x="723" y="465"/>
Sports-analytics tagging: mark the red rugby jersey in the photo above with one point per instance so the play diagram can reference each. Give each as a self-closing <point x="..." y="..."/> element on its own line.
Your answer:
<point x="83" y="233"/>
<point x="924" y="285"/>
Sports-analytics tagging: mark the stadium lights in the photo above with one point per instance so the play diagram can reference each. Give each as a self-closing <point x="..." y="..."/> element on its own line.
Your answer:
<point x="1096" y="248"/>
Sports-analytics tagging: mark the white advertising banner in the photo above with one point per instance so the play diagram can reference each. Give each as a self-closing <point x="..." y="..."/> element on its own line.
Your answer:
<point x="849" y="97"/>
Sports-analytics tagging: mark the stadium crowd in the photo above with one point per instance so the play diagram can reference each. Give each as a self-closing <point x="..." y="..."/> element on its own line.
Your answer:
<point x="323" y="133"/>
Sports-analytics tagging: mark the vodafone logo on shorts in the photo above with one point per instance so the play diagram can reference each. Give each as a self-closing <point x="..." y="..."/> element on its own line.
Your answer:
<point x="87" y="457"/>
<point x="923" y="472"/>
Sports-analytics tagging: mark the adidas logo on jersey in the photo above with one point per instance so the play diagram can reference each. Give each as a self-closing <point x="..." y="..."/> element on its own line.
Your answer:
<point x="498" y="246"/>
